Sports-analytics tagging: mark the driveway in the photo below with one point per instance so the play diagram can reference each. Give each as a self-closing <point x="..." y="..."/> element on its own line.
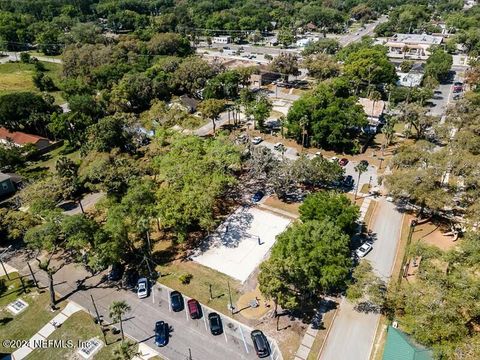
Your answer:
<point x="186" y="335"/>
<point x="352" y="334"/>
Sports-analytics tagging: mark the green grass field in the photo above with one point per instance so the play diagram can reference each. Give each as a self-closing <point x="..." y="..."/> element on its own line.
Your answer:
<point x="79" y="327"/>
<point x="18" y="77"/>
<point x="24" y="325"/>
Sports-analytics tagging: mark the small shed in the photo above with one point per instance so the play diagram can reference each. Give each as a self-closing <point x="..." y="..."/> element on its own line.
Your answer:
<point x="399" y="346"/>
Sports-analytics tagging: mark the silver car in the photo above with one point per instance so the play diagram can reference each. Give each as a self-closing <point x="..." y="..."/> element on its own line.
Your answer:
<point x="363" y="250"/>
<point x="142" y="288"/>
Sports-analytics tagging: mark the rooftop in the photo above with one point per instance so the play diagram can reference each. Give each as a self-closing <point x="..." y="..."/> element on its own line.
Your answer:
<point x="19" y="138"/>
<point x="4" y="177"/>
<point x="417" y="39"/>
<point x="399" y="346"/>
<point x="411" y="79"/>
<point x="371" y="108"/>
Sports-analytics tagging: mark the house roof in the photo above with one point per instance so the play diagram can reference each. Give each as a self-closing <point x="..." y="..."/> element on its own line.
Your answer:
<point x="4" y="177"/>
<point x="371" y="109"/>
<point x="399" y="346"/>
<point x="19" y="138"/>
<point x="417" y="39"/>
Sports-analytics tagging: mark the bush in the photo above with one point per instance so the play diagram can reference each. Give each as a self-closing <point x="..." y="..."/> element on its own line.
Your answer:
<point x="25" y="58"/>
<point x="185" y="278"/>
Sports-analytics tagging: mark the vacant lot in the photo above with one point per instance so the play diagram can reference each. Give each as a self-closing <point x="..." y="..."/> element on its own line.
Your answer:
<point x="24" y="325"/>
<point x="18" y="77"/>
<point x="79" y="327"/>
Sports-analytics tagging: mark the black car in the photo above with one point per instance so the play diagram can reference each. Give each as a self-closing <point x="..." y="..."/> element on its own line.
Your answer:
<point x="130" y="278"/>
<point x="116" y="272"/>
<point x="260" y="342"/>
<point x="176" y="299"/>
<point x="257" y="196"/>
<point x="161" y="333"/>
<point x="215" y="322"/>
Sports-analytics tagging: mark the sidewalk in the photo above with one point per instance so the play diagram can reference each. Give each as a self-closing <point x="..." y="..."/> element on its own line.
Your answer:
<point x="46" y="331"/>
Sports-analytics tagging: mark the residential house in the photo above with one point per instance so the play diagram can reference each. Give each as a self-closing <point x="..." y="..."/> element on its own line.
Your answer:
<point x="7" y="185"/>
<point x="399" y="346"/>
<point x="264" y="77"/>
<point x="185" y="103"/>
<point x="374" y="111"/>
<point x="19" y="138"/>
<point x="412" y="46"/>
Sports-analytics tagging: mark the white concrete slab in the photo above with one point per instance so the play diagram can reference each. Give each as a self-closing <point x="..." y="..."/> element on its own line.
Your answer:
<point x="9" y="269"/>
<point x="234" y="247"/>
<point x="47" y="330"/>
<point x="35" y="341"/>
<point x="71" y="308"/>
<point x="145" y="352"/>
<point x="21" y="353"/>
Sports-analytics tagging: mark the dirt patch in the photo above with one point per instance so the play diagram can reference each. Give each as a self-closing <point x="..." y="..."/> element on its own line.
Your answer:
<point x="433" y="234"/>
<point x="254" y="313"/>
<point x="276" y="203"/>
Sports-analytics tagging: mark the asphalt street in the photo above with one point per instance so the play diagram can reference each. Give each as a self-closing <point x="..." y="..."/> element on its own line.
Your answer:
<point x="352" y="333"/>
<point x="187" y="334"/>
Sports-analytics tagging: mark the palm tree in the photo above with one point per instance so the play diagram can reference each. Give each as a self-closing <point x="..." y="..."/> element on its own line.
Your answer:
<point x="361" y="167"/>
<point x="117" y="310"/>
<point x="125" y="351"/>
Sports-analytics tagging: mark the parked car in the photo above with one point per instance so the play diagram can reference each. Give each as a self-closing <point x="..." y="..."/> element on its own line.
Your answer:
<point x="194" y="309"/>
<point x="130" y="278"/>
<point x="348" y="180"/>
<point x="279" y="147"/>
<point x="364" y="162"/>
<point x="343" y="162"/>
<point x="258" y="196"/>
<point x="457" y="87"/>
<point x="215" y="322"/>
<point x="116" y="271"/>
<point x="363" y="250"/>
<point x="242" y="138"/>
<point x="162" y="332"/>
<point x="457" y="96"/>
<point x="176" y="300"/>
<point x="318" y="154"/>
<point x="334" y="159"/>
<point x="260" y="343"/>
<point x="142" y="288"/>
<point x="257" y="140"/>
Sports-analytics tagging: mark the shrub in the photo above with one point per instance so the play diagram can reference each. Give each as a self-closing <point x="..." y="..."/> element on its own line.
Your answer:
<point x="185" y="278"/>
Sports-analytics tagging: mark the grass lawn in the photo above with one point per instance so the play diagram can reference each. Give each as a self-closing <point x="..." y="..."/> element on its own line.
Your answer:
<point x="46" y="163"/>
<point x="24" y="325"/>
<point x="198" y="287"/>
<point x="18" y="77"/>
<point x="79" y="327"/>
<point x="193" y="122"/>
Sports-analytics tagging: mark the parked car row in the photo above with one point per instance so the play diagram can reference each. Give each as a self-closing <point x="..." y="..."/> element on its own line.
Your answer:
<point x="162" y="330"/>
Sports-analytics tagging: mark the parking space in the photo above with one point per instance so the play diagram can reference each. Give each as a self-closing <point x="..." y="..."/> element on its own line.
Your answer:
<point x="238" y="246"/>
<point x="235" y="336"/>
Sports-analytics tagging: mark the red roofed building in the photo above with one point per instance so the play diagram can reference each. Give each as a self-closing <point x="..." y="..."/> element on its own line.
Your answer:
<point x="19" y="138"/>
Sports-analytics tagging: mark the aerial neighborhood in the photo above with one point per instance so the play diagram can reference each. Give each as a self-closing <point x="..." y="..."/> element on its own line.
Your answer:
<point x="222" y="180"/>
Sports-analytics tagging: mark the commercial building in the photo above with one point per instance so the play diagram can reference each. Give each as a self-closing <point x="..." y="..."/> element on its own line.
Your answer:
<point x="222" y="39"/>
<point x="412" y="46"/>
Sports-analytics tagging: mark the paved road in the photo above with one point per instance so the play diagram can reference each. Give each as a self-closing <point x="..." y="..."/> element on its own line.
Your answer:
<point x="352" y="333"/>
<point x="348" y="38"/>
<point x="15" y="56"/>
<point x="187" y="334"/>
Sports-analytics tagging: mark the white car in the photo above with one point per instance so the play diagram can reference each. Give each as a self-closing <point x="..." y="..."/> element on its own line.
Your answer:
<point x="334" y="159"/>
<point x="142" y="288"/>
<point x="363" y="250"/>
<point x="257" y="140"/>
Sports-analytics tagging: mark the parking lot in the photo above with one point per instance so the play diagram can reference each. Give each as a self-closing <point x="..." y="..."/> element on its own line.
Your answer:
<point x="238" y="246"/>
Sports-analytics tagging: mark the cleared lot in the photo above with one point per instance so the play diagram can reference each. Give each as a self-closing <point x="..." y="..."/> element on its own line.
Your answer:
<point x="239" y="245"/>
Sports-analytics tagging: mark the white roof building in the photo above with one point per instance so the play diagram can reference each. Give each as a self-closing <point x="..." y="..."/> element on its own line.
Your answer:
<point x="409" y="79"/>
<point x="412" y="46"/>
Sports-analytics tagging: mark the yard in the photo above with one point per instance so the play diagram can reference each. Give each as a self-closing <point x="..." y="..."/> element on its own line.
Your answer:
<point x="79" y="327"/>
<point x="18" y="77"/>
<point x="24" y="325"/>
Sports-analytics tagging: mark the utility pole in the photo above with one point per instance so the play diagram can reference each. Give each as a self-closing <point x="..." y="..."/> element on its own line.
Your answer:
<point x="230" y="297"/>
<point x="1" y="262"/>
<point x="99" y="320"/>
<point x="33" y="275"/>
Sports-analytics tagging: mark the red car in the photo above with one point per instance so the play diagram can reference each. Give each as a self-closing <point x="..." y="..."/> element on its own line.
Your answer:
<point x="194" y="309"/>
<point x="343" y="162"/>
